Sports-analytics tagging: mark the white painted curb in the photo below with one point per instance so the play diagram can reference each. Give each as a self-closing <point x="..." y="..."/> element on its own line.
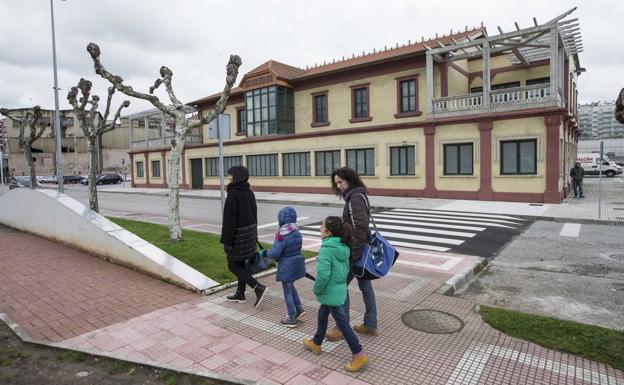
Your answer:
<point x="62" y="218"/>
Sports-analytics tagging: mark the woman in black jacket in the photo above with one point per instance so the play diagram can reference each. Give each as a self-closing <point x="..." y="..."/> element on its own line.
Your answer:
<point x="239" y="232"/>
<point x="347" y="183"/>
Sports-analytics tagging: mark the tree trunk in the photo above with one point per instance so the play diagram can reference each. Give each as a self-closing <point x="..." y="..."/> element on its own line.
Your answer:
<point x="175" y="230"/>
<point x="93" y="167"/>
<point x="31" y="165"/>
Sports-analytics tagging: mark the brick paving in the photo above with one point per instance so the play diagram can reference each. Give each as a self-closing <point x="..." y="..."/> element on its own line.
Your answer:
<point x="70" y="299"/>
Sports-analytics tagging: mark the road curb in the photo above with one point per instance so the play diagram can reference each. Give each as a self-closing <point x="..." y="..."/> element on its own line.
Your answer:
<point x="461" y="280"/>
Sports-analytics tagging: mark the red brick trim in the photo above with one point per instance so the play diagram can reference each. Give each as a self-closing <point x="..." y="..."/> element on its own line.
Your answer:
<point x="315" y="123"/>
<point x="400" y="114"/>
<point x="485" y="160"/>
<point x="146" y="168"/>
<point x="355" y="119"/>
<point x="553" y="125"/>
<point x="430" y="190"/>
<point x="132" y="170"/>
<point x="443" y="79"/>
<point x="163" y="156"/>
<point x="183" y="160"/>
<point x="521" y="114"/>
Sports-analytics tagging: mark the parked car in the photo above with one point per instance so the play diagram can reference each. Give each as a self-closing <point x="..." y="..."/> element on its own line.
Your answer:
<point x="48" y="179"/>
<point x="105" y="179"/>
<point x="72" y="178"/>
<point x="20" y="182"/>
<point x="591" y="163"/>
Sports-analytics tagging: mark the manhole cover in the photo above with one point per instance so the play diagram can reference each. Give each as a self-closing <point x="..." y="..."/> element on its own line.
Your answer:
<point x="432" y="321"/>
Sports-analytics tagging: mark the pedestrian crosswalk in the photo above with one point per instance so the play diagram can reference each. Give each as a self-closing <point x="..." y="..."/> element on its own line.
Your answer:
<point x="441" y="230"/>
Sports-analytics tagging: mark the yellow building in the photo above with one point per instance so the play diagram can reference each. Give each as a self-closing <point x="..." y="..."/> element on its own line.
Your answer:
<point x="467" y="116"/>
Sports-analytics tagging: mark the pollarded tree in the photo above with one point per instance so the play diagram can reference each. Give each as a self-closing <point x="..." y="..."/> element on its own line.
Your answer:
<point x="93" y="128"/>
<point x="178" y="113"/>
<point x="32" y="121"/>
<point x="619" y="107"/>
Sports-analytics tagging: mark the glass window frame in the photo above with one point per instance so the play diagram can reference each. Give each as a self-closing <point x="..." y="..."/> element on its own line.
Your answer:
<point x="155" y="170"/>
<point x="324" y="108"/>
<point x="211" y="165"/>
<point x="335" y="155"/>
<point x="457" y="148"/>
<point x="403" y="152"/>
<point x="296" y="164"/>
<point x="518" y="156"/>
<point x="140" y="169"/>
<point x="365" y="153"/>
<point x="264" y="161"/>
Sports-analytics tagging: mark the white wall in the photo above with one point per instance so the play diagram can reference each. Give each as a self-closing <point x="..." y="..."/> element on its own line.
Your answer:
<point x="59" y="217"/>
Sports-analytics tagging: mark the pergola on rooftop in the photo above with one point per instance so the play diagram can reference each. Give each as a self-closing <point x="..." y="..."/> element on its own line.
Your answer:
<point x="554" y="41"/>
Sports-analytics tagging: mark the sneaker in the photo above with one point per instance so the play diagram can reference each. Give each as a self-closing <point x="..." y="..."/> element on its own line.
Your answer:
<point x="260" y="291"/>
<point x="290" y="322"/>
<point x="299" y="314"/>
<point x="363" y="329"/>
<point x="357" y="363"/>
<point x="311" y="346"/>
<point x="334" y="334"/>
<point x="236" y="297"/>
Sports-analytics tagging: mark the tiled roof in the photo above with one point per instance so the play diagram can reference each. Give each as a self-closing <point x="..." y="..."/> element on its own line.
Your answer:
<point x="295" y="74"/>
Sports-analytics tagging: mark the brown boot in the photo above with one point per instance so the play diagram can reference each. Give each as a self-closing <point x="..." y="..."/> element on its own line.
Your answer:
<point x="334" y="334"/>
<point x="363" y="329"/>
<point x="357" y="363"/>
<point x="311" y="346"/>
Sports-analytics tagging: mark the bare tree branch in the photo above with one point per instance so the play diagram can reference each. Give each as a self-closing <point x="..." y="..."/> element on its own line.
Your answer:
<point x="232" y="72"/>
<point x="109" y="99"/>
<point x="112" y="125"/>
<point x="117" y="81"/>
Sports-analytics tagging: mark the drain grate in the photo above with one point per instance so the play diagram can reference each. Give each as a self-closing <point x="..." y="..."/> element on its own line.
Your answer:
<point x="432" y="321"/>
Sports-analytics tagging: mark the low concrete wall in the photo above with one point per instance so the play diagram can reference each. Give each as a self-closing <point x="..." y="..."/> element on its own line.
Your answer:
<point x="62" y="218"/>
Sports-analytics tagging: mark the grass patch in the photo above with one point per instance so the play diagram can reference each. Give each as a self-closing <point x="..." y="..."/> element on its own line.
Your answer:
<point x="72" y="356"/>
<point x="119" y="367"/>
<point x="201" y="251"/>
<point x="9" y="355"/>
<point x="589" y="341"/>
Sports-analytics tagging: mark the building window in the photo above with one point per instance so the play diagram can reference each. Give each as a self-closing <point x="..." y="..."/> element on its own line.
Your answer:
<point x="458" y="159"/>
<point x="156" y="168"/>
<point x="519" y="157"/>
<point x="270" y="110"/>
<point x="362" y="160"/>
<point x="402" y="160"/>
<point x="360" y="108"/>
<point x="262" y="165"/>
<point x="532" y="82"/>
<point x="327" y="162"/>
<point x="296" y="164"/>
<point x="212" y="164"/>
<point x="407" y="96"/>
<point x="495" y="87"/>
<point x="319" y="109"/>
<point x="241" y="127"/>
<point x="139" y="169"/>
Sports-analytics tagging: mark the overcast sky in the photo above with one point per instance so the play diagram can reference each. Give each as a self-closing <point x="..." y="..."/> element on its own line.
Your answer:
<point x="195" y="37"/>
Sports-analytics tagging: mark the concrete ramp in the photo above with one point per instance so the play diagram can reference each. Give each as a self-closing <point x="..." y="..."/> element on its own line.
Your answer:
<point x="62" y="218"/>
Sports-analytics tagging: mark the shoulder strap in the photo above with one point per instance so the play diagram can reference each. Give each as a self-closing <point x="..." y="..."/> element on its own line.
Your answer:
<point x="370" y="216"/>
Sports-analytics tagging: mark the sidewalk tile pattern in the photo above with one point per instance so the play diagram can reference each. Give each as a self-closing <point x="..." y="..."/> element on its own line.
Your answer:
<point x="145" y="320"/>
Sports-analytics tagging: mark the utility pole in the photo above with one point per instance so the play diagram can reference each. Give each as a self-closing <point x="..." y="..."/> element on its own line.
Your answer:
<point x="57" y="114"/>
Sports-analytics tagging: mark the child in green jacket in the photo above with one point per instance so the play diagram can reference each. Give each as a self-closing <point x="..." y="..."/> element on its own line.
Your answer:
<point x="330" y="289"/>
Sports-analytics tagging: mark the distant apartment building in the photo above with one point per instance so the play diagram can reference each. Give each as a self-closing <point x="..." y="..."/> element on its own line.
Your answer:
<point x="112" y="149"/>
<point x="597" y="121"/>
<point x="469" y="115"/>
<point x="3" y="135"/>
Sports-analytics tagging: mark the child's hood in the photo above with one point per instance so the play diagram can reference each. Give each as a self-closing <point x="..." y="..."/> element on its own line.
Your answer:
<point x="287" y="215"/>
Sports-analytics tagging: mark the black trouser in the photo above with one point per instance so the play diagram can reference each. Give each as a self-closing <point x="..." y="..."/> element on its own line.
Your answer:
<point x="238" y="269"/>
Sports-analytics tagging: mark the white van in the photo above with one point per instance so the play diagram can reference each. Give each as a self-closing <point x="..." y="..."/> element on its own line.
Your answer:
<point x="591" y="164"/>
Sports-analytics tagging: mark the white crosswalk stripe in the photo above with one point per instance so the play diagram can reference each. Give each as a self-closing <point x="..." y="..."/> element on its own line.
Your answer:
<point x="434" y="230"/>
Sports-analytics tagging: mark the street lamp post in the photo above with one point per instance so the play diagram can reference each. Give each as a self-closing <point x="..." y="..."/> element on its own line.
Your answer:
<point x="57" y="115"/>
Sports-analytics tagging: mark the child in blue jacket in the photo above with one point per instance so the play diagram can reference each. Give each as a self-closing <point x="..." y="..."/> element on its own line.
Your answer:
<point x="286" y="250"/>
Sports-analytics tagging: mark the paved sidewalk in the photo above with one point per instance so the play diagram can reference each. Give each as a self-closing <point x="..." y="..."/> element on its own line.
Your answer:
<point x="65" y="298"/>
<point x="570" y="210"/>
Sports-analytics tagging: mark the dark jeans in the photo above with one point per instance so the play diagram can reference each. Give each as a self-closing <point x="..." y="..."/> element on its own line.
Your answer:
<point x="578" y="188"/>
<point x="291" y="297"/>
<point x="238" y="269"/>
<point x="342" y="322"/>
<point x="368" y="295"/>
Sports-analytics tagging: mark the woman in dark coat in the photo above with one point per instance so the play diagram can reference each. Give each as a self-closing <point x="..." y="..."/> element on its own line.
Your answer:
<point x="239" y="232"/>
<point x="347" y="183"/>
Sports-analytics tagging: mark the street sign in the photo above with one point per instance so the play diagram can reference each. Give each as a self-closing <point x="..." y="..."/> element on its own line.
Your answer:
<point x="221" y="123"/>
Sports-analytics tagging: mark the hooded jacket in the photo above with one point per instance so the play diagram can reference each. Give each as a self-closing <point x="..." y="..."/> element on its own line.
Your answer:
<point x="239" y="232"/>
<point x="330" y="286"/>
<point x="358" y="219"/>
<point x="286" y="249"/>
